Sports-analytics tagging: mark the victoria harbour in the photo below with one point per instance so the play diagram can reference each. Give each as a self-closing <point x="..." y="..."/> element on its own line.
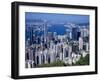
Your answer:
<point x="56" y="40"/>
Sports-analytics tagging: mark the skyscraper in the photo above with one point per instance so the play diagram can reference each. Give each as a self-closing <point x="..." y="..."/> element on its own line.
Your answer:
<point x="50" y="36"/>
<point x="55" y="35"/>
<point x="69" y="33"/>
<point x="80" y="43"/>
<point x="45" y="31"/>
<point x="69" y="51"/>
<point x="78" y="35"/>
<point x="74" y="33"/>
<point x="84" y="32"/>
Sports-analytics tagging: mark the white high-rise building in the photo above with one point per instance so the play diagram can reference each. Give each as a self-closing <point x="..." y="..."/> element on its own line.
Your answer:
<point x="45" y="31"/>
<point x="52" y="56"/>
<point x="55" y="35"/>
<point x="45" y="56"/>
<point x="87" y="46"/>
<point x="84" y="32"/>
<point x="51" y="45"/>
<point x="80" y="43"/>
<point x="69" y="51"/>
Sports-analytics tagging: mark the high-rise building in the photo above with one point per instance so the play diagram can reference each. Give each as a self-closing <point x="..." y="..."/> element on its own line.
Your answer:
<point x="50" y="36"/>
<point x="27" y="43"/>
<point x="45" y="31"/>
<point x="87" y="46"/>
<point x="75" y="47"/>
<point x="69" y="33"/>
<point x="75" y="33"/>
<point x="78" y="35"/>
<point x="80" y="43"/>
<point x="69" y="51"/>
<point x="84" y="32"/>
<point x="66" y="52"/>
<point x="55" y="35"/>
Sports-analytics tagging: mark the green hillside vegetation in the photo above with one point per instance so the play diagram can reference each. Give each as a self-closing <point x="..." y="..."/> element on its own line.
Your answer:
<point x="56" y="63"/>
<point x="82" y="61"/>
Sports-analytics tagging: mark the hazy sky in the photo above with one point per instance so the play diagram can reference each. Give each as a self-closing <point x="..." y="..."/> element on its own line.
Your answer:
<point x="58" y="17"/>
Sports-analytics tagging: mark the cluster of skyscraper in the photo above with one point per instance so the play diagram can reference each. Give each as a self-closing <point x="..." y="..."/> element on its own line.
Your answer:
<point x="43" y="46"/>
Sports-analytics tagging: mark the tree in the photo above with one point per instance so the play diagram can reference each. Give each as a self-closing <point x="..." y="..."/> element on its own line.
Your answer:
<point x="83" y="60"/>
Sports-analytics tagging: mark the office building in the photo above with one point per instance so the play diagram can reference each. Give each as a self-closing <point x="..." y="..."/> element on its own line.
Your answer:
<point x="74" y="33"/>
<point x="80" y="43"/>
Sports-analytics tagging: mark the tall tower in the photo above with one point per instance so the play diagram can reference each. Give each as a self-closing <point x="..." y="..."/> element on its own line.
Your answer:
<point x="74" y="33"/>
<point x="69" y="51"/>
<point x="45" y="31"/>
<point x="80" y="43"/>
<point x="69" y="33"/>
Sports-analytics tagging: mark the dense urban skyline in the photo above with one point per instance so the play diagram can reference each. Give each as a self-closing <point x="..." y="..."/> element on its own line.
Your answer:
<point x="60" y="43"/>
